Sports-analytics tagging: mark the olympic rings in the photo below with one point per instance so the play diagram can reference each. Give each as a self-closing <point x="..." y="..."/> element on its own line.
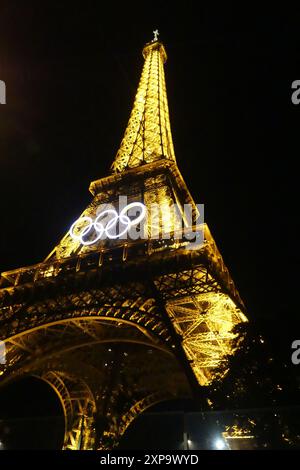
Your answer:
<point x="83" y="228"/>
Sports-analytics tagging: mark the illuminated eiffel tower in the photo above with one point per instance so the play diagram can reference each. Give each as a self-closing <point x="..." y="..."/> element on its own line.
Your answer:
<point x="114" y="324"/>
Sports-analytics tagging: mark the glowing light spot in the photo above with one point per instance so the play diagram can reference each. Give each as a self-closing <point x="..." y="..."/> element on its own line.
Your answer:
<point x="219" y="444"/>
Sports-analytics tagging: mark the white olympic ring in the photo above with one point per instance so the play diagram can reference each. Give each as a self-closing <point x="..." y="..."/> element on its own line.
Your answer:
<point x="101" y="228"/>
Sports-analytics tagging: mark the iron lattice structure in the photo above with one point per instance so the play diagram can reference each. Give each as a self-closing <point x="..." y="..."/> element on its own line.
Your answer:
<point x="117" y="326"/>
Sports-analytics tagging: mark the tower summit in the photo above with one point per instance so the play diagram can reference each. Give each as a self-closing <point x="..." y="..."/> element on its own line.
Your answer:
<point x="115" y="324"/>
<point x="148" y="135"/>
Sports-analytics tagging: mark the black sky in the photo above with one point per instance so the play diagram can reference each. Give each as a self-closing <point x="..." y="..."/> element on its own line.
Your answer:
<point x="71" y="71"/>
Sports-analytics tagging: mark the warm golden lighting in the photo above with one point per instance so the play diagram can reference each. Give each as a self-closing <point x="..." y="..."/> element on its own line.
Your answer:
<point x="205" y="322"/>
<point x="148" y="134"/>
<point x="116" y="326"/>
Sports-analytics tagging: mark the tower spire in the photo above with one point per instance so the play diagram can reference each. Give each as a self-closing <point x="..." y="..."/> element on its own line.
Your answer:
<point x="148" y="136"/>
<point x="156" y="34"/>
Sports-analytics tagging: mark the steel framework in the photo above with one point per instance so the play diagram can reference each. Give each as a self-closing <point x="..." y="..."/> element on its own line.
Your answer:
<point x="118" y="326"/>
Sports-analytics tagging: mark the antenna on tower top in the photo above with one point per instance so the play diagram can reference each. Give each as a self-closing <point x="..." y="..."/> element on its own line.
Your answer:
<point x="156" y="34"/>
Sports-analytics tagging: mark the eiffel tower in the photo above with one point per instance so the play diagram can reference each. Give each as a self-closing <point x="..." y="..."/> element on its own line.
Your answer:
<point x="115" y="325"/>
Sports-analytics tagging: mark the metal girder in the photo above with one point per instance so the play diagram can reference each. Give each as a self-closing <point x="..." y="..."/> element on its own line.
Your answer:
<point x="29" y="351"/>
<point x="78" y="406"/>
<point x="111" y="437"/>
<point x="205" y="322"/>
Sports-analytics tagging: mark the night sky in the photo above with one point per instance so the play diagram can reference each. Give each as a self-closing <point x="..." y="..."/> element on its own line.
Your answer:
<point x="71" y="71"/>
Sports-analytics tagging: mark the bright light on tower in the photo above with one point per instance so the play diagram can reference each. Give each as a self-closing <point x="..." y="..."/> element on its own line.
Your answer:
<point x="219" y="444"/>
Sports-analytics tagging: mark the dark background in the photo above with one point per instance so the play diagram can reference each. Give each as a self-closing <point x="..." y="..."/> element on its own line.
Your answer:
<point x="71" y="71"/>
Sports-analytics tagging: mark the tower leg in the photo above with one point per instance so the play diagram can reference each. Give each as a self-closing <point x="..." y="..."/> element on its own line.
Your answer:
<point x="79" y="409"/>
